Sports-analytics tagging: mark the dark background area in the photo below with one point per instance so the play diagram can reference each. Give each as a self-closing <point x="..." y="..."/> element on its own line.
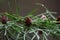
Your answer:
<point x="26" y="6"/>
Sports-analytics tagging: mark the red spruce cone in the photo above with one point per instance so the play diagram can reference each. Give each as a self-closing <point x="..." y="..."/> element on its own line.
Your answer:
<point x="4" y="20"/>
<point x="28" y="21"/>
<point x="58" y="20"/>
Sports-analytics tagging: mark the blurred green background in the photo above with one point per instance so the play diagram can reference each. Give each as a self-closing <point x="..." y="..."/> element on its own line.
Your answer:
<point x="26" y="6"/>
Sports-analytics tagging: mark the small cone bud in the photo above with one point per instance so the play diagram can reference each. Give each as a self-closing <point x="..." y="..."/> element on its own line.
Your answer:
<point x="43" y="17"/>
<point x="4" y="20"/>
<point x="40" y="32"/>
<point x="28" y="21"/>
<point x="58" y="20"/>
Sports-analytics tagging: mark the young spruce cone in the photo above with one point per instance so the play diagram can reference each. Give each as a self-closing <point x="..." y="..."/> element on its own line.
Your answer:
<point x="28" y="21"/>
<point x="58" y="20"/>
<point x="3" y="19"/>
